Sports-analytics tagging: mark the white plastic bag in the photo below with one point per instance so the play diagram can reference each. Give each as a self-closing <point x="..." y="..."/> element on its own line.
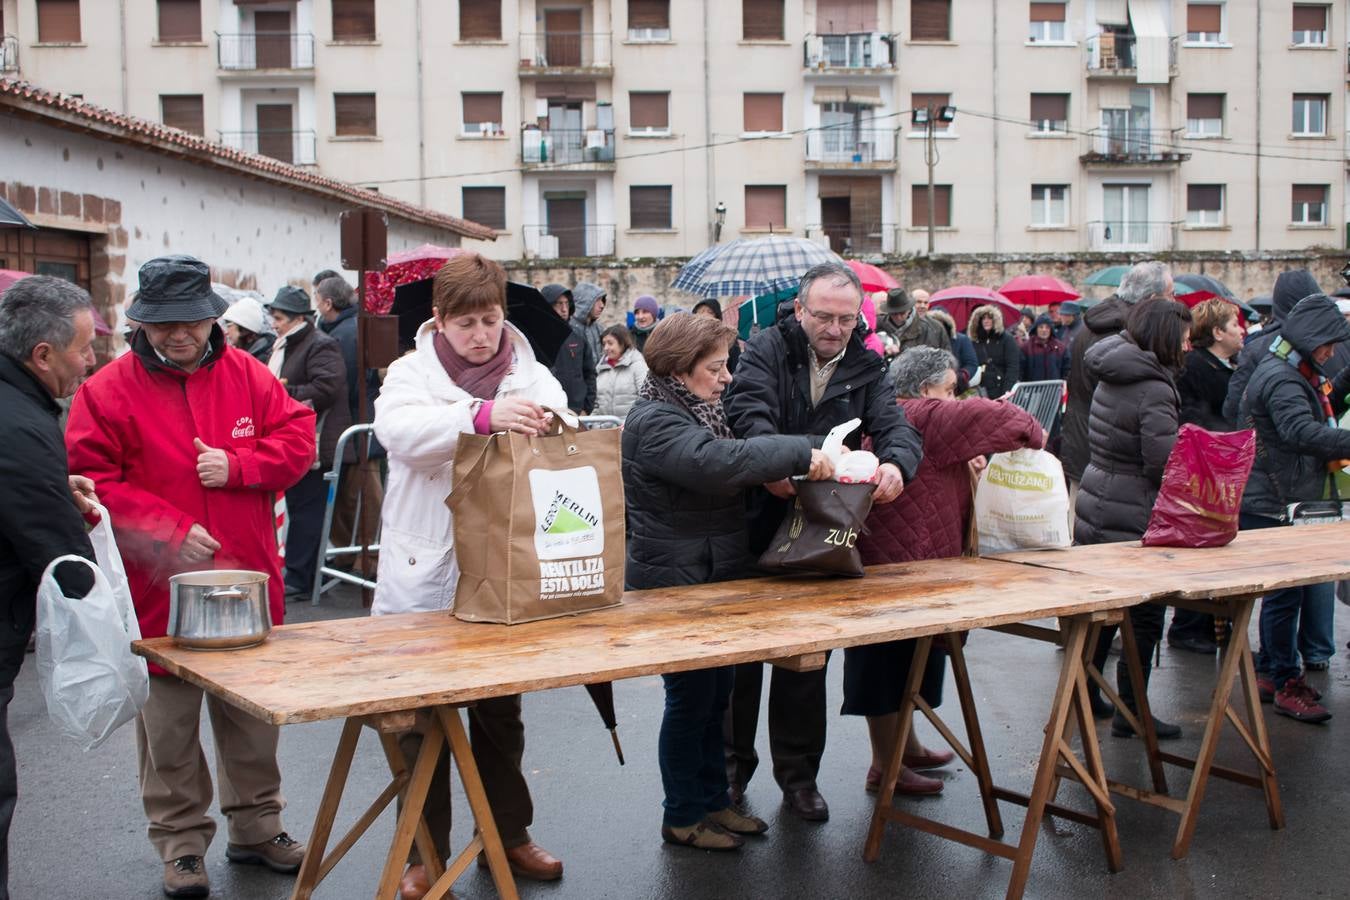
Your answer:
<point x="91" y="680"/>
<point x="1022" y="503"/>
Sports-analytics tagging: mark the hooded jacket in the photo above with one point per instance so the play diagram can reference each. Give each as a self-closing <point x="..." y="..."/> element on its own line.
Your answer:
<point x="584" y="296"/>
<point x="1099" y="323"/>
<point x="1293" y="440"/>
<point x="1291" y="287"/>
<point x="1044" y="360"/>
<point x="1131" y="429"/>
<point x="617" y="386"/>
<point x="574" y="366"/>
<point x="997" y="352"/>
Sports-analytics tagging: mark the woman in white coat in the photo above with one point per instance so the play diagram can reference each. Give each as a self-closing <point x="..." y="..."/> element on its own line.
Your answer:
<point x="619" y="374"/>
<point x="471" y="372"/>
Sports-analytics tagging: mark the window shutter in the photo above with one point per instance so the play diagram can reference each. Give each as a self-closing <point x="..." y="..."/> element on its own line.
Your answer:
<point x="929" y="20"/>
<point x="480" y="20"/>
<point x="1204" y="106"/>
<point x="942" y="198"/>
<point x="354" y="114"/>
<point x="486" y="206"/>
<point x="353" y="20"/>
<point x="1204" y="197"/>
<point x="183" y="111"/>
<point x="918" y="203"/>
<point x="1310" y="193"/>
<point x="1310" y="18"/>
<point x="762" y="20"/>
<point x="1047" y="12"/>
<point x="58" y="21"/>
<point x="482" y="108"/>
<point x="846" y="16"/>
<point x="766" y="206"/>
<point x="1049" y="106"/>
<point x="763" y="112"/>
<point x="1204" y="17"/>
<point x="649" y="207"/>
<point x="648" y="13"/>
<point x="935" y="102"/>
<point x="180" y="20"/>
<point x="648" y="110"/>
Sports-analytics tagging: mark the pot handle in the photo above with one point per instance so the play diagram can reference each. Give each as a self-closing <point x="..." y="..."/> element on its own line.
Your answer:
<point x="229" y="593"/>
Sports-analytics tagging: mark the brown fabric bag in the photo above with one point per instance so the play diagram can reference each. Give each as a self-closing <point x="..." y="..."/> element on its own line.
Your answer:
<point x="820" y="532"/>
<point x="539" y="524"/>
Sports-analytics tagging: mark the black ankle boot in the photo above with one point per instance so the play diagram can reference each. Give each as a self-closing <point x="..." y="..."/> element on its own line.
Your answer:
<point x="1166" y="731"/>
<point x="1101" y="707"/>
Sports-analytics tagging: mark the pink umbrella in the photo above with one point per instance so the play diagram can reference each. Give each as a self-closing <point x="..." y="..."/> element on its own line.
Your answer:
<point x="872" y="277"/>
<point x="1038" y="290"/>
<point x="9" y="276"/>
<point x="401" y="268"/>
<point x="963" y="299"/>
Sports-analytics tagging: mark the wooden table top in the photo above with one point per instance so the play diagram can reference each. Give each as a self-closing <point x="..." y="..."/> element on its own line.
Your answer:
<point x="1256" y="562"/>
<point x="345" y="667"/>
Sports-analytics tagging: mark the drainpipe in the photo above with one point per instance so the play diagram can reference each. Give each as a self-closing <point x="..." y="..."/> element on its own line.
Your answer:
<point x="421" y="113"/>
<point x="1256" y="161"/>
<point x="710" y="161"/>
<point x="122" y="34"/>
<point x="993" y="71"/>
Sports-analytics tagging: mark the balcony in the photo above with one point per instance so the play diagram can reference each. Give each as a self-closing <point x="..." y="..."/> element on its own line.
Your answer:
<point x="587" y="149"/>
<point x="1112" y="55"/>
<point x="565" y="53"/>
<point x="294" y="147"/>
<point x="848" y="148"/>
<point x="1111" y="237"/>
<point x="856" y="240"/>
<point x="860" y="52"/>
<point x="9" y="54"/>
<point x="1111" y="147"/>
<point x="265" y="52"/>
<point x="570" y="242"/>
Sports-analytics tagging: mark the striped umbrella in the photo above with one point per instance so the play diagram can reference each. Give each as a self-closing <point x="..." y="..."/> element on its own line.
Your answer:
<point x="751" y="267"/>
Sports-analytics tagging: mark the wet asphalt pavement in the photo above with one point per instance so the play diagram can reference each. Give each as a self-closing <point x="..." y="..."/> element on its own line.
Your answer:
<point x="79" y="831"/>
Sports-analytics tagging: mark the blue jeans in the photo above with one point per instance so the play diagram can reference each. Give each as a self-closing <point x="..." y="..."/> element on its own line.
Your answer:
<point x="1293" y="621"/>
<point x="693" y="771"/>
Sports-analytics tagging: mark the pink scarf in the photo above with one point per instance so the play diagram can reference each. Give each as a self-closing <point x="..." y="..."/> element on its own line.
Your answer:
<point x="482" y="380"/>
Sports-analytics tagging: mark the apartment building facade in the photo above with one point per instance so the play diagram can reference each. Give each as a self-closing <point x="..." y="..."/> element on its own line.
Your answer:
<point x="650" y="128"/>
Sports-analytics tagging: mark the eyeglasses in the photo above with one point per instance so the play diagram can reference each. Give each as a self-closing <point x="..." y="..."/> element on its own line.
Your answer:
<point x="848" y="323"/>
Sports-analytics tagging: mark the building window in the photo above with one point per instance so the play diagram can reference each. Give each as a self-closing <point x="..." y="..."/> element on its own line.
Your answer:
<point x="58" y="21"/>
<point x="763" y="113"/>
<point x="1204" y="115"/>
<point x="762" y="20"/>
<point x="183" y="111"/>
<point x="1049" y="112"/>
<point x="1049" y="204"/>
<point x="942" y="201"/>
<point x="354" y="115"/>
<point x="180" y="21"/>
<point x="1310" y="25"/>
<point x="648" y="112"/>
<point x="649" y="207"/>
<point x="1310" y="204"/>
<point x="931" y="102"/>
<point x="649" y="20"/>
<point x="1047" y="23"/>
<point x="480" y="20"/>
<point x="1204" y="23"/>
<point x="930" y="20"/>
<point x="482" y="114"/>
<point x="766" y="207"/>
<point x="1204" y="205"/>
<point x="486" y="206"/>
<point x="353" y="20"/>
<point x="1310" y="115"/>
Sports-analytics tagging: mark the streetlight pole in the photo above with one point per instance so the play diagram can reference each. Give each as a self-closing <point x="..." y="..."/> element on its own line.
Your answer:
<point x="928" y="117"/>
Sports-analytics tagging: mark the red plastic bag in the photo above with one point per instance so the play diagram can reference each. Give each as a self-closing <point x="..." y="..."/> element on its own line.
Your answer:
<point x="1202" y="487"/>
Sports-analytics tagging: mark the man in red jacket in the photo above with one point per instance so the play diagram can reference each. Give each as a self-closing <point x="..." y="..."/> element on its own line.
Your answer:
<point x="188" y="441"/>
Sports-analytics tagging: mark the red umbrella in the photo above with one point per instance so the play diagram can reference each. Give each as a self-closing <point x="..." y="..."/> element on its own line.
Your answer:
<point x="872" y="277"/>
<point x="9" y="276"/>
<point x="962" y="300"/>
<point x="401" y="268"/>
<point x="1038" y="290"/>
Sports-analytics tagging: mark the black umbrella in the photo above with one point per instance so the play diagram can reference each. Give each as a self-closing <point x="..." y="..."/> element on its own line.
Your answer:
<point x="11" y="217"/>
<point x="602" y="695"/>
<point x="1206" y="283"/>
<point x="1262" y="303"/>
<point x="526" y="309"/>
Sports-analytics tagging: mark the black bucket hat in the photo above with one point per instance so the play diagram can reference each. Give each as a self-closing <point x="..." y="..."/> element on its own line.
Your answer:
<point x="175" y="289"/>
<point x="292" y="300"/>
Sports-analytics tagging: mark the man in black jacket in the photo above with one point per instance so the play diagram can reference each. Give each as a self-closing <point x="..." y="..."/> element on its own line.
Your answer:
<point x="575" y="365"/>
<point x="46" y="337"/>
<point x="806" y="375"/>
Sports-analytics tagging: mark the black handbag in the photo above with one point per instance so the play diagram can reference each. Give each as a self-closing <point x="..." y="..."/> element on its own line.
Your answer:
<point x="820" y="532"/>
<point x="1305" y="512"/>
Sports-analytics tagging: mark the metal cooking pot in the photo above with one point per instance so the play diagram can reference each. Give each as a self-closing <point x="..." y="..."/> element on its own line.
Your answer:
<point x="223" y="609"/>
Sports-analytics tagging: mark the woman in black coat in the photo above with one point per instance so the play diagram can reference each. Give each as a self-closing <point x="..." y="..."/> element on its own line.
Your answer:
<point x="996" y="349"/>
<point x="685" y="478"/>
<point x="1131" y="429"/>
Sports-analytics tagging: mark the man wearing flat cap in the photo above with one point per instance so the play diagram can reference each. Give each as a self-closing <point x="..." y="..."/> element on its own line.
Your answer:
<point x="187" y="441"/>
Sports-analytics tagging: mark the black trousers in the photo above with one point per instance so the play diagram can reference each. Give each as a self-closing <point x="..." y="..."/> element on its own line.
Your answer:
<point x="1147" y="619"/>
<point x="13" y="645"/>
<point x="305" y="502"/>
<point x="796" y="725"/>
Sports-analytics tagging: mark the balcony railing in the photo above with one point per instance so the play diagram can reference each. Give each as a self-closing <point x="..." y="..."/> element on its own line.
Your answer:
<point x="294" y="147"/>
<point x="9" y="54"/>
<point x="543" y="146"/>
<point x="1121" y="235"/>
<point x="567" y="242"/>
<point x="847" y="146"/>
<point x="565" y="50"/>
<point x="856" y="240"/>
<point x="1132" y="146"/>
<point x="1110" y="54"/>
<point x="859" y="50"/>
<point x="245" y="52"/>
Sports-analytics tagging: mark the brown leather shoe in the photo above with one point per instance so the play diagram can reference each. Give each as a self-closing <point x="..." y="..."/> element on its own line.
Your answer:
<point x="928" y="759"/>
<point x="910" y="782"/>
<point x="282" y="853"/>
<point x="806" y="803"/>
<point x="531" y="861"/>
<point x="186" y="877"/>
<point x="415" y="884"/>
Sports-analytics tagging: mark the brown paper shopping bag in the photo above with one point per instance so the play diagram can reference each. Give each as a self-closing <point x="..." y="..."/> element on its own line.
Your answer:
<point x="539" y="524"/>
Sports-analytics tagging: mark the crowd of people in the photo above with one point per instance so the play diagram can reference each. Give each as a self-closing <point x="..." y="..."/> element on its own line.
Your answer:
<point x="190" y="437"/>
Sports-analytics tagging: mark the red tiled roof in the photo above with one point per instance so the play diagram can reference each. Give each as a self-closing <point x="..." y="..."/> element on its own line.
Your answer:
<point x="62" y="110"/>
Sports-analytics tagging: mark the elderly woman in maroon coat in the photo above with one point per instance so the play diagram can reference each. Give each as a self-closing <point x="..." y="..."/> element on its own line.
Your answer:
<point x="929" y="520"/>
